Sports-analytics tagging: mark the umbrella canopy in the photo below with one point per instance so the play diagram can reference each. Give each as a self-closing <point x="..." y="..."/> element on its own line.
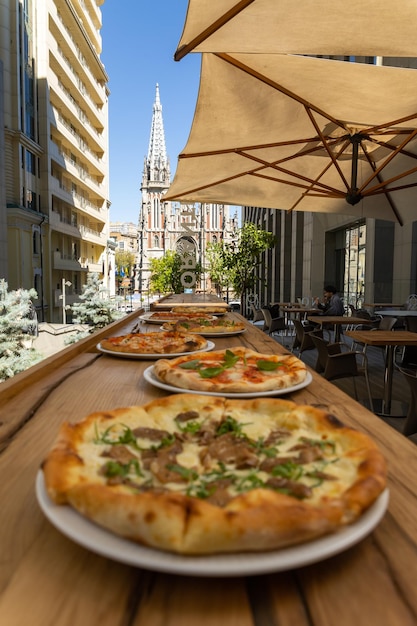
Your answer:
<point x="301" y="133"/>
<point x="336" y="27"/>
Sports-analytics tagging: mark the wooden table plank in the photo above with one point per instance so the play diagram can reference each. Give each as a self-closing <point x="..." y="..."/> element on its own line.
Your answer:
<point x="65" y="584"/>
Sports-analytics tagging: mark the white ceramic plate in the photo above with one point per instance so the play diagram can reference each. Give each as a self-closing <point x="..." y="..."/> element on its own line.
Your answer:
<point x="150" y="377"/>
<point x="147" y="317"/>
<point x="102" y="542"/>
<point x="133" y="355"/>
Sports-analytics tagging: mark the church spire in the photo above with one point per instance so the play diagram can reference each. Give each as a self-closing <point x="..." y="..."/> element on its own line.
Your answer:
<point x="157" y="157"/>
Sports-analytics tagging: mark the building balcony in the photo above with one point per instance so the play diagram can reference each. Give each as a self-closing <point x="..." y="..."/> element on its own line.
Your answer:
<point x="62" y="36"/>
<point x="60" y="98"/>
<point x="96" y="268"/>
<point x="60" y="225"/>
<point x="93" y="236"/>
<point x="66" y="262"/>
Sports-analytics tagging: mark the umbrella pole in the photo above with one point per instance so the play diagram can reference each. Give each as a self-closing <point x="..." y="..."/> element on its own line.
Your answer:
<point x="353" y="197"/>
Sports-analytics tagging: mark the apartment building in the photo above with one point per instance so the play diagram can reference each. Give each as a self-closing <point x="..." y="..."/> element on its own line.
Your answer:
<point x="54" y="199"/>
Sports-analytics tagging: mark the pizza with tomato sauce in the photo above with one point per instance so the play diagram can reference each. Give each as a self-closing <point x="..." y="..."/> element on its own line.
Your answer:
<point x="154" y="343"/>
<point x="237" y="370"/>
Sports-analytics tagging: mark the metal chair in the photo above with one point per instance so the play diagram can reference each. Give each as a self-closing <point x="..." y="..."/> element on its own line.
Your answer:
<point x="273" y="324"/>
<point x="334" y="362"/>
<point x="411" y="304"/>
<point x="409" y="353"/>
<point x="410" y="424"/>
<point x="257" y="314"/>
<point x="302" y="339"/>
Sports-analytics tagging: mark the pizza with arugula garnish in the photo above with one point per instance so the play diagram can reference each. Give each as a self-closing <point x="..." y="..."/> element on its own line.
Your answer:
<point x="237" y="370"/>
<point x="194" y="474"/>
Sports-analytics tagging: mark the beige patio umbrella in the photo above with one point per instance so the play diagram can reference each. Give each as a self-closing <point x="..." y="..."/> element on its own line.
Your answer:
<point x="302" y="133"/>
<point x="324" y="27"/>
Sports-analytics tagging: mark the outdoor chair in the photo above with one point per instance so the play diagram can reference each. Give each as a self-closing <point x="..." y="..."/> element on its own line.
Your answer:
<point x="410" y="425"/>
<point x="273" y="324"/>
<point x="302" y="339"/>
<point x="411" y="304"/>
<point x="257" y="314"/>
<point x="335" y="361"/>
<point x="409" y="353"/>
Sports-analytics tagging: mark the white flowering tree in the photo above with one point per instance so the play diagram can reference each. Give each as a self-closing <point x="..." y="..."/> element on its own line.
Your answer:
<point x="17" y="326"/>
<point x="95" y="308"/>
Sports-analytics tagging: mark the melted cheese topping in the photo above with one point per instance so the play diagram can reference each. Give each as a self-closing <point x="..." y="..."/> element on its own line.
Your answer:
<point x="328" y="474"/>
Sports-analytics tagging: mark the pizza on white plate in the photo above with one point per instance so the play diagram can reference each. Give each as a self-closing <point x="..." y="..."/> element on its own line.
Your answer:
<point x="164" y="342"/>
<point x="235" y="370"/>
<point x="206" y="327"/>
<point x="204" y="310"/>
<point x="169" y="316"/>
<point x="203" y="475"/>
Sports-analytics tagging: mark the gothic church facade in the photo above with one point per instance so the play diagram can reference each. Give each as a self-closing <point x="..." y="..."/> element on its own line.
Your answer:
<point x="163" y="226"/>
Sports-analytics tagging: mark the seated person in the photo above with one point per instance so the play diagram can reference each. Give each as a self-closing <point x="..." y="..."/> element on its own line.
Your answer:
<point x="332" y="304"/>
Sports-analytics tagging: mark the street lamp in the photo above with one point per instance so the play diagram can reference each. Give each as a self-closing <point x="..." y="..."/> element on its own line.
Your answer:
<point x="65" y="283"/>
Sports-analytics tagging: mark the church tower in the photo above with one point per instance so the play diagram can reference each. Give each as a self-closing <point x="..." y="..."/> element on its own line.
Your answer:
<point x="170" y="225"/>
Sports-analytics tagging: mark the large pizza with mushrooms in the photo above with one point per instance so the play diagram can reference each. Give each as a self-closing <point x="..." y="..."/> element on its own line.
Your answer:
<point x="193" y="474"/>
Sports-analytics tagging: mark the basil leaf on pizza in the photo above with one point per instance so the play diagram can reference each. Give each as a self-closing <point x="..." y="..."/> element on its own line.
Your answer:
<point x="240" y="370"/>
<point x="198" y="475"/>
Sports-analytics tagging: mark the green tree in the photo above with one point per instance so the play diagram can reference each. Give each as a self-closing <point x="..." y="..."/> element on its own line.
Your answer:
<point x="95" y="308"/>
<point x="17" y="324"/>
<point x="240" y="260"/>
<point x="125" y="261"/>
<point x="166" y="273"/>
<point x="218" y="262"/>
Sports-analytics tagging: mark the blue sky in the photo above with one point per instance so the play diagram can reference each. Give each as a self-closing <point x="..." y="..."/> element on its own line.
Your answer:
<point x="139" y="41"/>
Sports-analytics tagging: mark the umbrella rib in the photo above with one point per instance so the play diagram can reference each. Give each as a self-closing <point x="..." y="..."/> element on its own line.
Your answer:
<point x="277" y="144"/>
<point x="274" y="166"/>
<point x="212" y="28"/>
<point x="387" y="160"/>
<point x="327" y="147"/>
<point x="261" y="77"/>
<point x="385" y="183"/>
<point x="400" y="120"/>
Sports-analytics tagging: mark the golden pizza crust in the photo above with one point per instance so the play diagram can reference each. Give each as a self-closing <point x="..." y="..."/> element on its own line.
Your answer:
<point x="253" y="372"/>
<point x="167" y="342"/>
<point x="205" y="310"/>
<point x="169" y="516"/>
<point x="217" y="326"/>
<point x="169" y="316"/>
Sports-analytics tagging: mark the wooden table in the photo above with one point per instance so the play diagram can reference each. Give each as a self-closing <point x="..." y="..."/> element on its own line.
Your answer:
<point x="338" y="321"/>
<point x="390" y="339"/>
<point x="300" y="311"/>
<point x="48" y="580"/>
<point x="188" y="299"/>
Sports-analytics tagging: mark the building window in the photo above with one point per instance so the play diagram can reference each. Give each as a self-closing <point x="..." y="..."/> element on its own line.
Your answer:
<point x="30" y="162"/>
<point x="35" y="242"/>
<point x="354" y="275"/>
